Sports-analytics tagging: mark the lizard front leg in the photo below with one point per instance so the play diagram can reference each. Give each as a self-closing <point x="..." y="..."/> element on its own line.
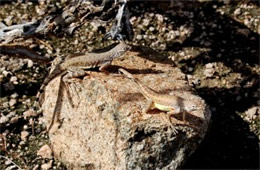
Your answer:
<point x="73" y="72"/>
<point x="179" y="122"/>
<point x="104" y="66"/>
<point x="148" y="106"/>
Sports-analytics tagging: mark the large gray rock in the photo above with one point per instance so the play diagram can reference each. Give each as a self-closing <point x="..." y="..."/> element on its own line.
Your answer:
<point x="106" y="128"/>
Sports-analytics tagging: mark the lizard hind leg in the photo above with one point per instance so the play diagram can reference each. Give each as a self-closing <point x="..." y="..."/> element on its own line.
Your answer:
<point x="149" y="105"/>
<point x="74" y="72"/>
<point x="67" y="87"/>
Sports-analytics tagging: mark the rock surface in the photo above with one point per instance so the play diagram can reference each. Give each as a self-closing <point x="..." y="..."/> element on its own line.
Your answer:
<point x="103" y="126"/>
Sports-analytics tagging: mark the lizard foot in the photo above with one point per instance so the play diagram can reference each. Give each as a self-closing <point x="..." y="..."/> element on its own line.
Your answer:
<point x="179" y="122"/>
<point x="54" y="126"/>
<point x="171" y="127"/>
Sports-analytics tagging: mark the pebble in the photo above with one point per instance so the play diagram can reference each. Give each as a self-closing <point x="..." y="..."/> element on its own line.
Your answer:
<point x="246" y="21"/>
<point x="36" y="167"/>
<point x="252" y="113"/>
<point x="8" y="162"/>
<point x="3" y="119"/>
<point x="13" y="79"/>
<point x="24" y="135"/>
<point x="139" y="37"/>
<point x="14" y="119"/>
<point x="209" y="70"/>
<point x="29" y="113"/>
<point x="8" y="20"/>
<point x="146" y="22"/>
<point x="14" y="95"/>
<point x="243" y="31"/>
<point x="29" y="63"/>
<point x="40" y="11"/>
<point x="237" y="11"/>
<point x="45" y="152"/>
<point x="159" y="17"/>
<point x="46" y="166"/>
<point x="151" y="28"/>
<point x="209" y="65"/>
<point x="12" y="102"/>
<point x="190" y="69"/>
<point x="5" y="73"/>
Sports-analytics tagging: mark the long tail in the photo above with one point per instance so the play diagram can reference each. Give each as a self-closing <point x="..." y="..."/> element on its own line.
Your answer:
<point x="129" y="75"/>
<point x="51" y="76"/>
<point x="145" y="90"/>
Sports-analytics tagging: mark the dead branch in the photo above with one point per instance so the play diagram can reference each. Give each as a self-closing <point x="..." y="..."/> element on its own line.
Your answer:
<point x="70" y="17"/>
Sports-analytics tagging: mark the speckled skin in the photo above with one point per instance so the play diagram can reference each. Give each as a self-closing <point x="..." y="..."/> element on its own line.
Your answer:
<point x="86" y="61"/>
<point x="163" y="102"/>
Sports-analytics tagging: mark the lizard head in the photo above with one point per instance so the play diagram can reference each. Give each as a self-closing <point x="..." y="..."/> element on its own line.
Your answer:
<point x="120" y="49"/>
<point x="190" y="106"/>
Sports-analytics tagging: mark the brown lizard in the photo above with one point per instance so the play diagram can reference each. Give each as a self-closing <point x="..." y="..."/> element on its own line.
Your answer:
<point x="171" y="104"/>
<point x="75" y="66"/>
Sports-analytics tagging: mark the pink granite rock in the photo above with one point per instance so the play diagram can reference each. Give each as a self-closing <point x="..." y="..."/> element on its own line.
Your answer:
<point x="106" y="129"/>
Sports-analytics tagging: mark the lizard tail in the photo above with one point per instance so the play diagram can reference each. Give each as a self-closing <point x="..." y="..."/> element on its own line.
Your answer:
<point x="146" y="91"/>
<point x="130" y="76"/>
<point x="127" y="74"/>
<point x="40" y="96"/>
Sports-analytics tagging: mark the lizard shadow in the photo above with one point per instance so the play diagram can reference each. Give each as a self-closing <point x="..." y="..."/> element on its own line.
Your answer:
<point x="190" y="119"/>
<point x="58" y="105"/>
<point x="114" y="69"/>
<point x="152" y="55"/>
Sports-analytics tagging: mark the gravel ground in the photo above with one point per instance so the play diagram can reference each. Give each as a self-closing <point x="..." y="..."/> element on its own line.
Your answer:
<point x="215" y="43"/>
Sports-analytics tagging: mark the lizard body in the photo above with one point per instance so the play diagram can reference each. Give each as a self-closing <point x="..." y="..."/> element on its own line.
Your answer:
<point x="172" y="104"/>
<point x="86" y="61"/>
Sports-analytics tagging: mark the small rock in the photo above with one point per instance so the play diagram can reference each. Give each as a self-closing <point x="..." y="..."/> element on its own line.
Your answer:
<point x="159" y="17"/>
<point x="146" y="22"/>
<point x="237" y="11"/>
<point x="5" y="73"/>
<point x="29" y="63"/>
<point x="12" y="102"/>
<point x="139" y="37"/>
<point x="40" y="11"/>
<point x="14" y="119"/>
<point x="3" y="119"/>
<point x="29" y="113"/>
<point x="8" y="20"/>
<point x="243" y="31"/>
<point x="226" y="2"/>
<point x="11" y="114"/>
<point x="24" y="135"/>
<point x="13" y="79"/>
<point x="252" y="113"/>
<point x="151" y="28"/>
<point x="36" y="167"/>
<point x="246" y="21"/>
<point x="46" y="166"/>
<point x="45" y="152"/>
<point x="14" y="95"/>
<point x="190" y="69"/>
<point x="8" y="162"/>
<point x="210" y="70"/>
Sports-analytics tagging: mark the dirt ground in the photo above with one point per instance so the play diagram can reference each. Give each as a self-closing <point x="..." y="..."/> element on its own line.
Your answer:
<point x="216" y="43"/>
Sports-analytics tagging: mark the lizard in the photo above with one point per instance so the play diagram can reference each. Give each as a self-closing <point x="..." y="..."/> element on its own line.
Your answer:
<point x="171" y="104"/>
<point x="76" y="65"/>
